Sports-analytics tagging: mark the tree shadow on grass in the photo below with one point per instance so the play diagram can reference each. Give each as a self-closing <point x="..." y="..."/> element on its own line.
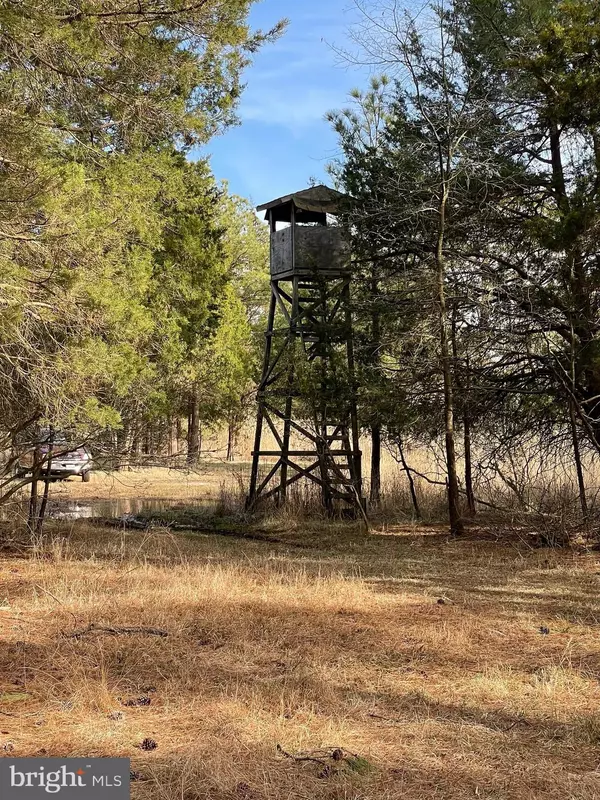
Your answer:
<point x="420" y="749"/>
<point x="234" y="677"/>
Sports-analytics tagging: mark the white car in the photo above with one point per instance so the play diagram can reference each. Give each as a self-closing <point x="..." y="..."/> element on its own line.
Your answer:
<point x="65" y="462"/>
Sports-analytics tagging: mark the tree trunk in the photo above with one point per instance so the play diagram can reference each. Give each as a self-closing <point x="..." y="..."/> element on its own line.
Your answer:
<point x="194" y="444"/>
<point x="411" y="483"/>
<point x="231" y="441"/>
<point x="178" y="433"/>
<point x="136" y="447"/>
<point x="173" y="443"/>
<point x="578" y="465"/>
<point x="147" y="440"/>
<point x="375" y="492"/>
<point x="468" y="464"/>
<point x="42" y="513"/>
<point x="466" y="418"/>
<point x="574" y="431"/>
<point x="121" y="446"/>
<point x="33" y="497"/>
<point x="456" y="522"/>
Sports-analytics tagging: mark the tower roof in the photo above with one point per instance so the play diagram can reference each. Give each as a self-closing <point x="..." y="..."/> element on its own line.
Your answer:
<point x="315" y="200"/>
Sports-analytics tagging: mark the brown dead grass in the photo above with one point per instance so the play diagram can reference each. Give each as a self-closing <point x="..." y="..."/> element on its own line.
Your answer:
<point x="341" y="644"/>
<point x="202" y="484"/>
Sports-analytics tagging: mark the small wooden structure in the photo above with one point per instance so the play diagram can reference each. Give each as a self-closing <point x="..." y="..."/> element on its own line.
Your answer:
<point x="309" y="331"/>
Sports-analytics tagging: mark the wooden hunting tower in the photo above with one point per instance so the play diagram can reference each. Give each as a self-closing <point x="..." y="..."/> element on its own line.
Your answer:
<point x="306" y="397"/>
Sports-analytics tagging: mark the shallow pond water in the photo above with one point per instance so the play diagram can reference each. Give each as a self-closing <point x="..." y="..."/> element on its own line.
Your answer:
<point x="114" y="508"/>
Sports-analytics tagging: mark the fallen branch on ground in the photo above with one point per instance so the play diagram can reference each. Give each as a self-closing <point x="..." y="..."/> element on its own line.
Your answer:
<point x="141" y="524"/>
<point x="18" y="716"/>
<point x="301" y="757"/>
<point x="389" y="719"/>
<point x="332" y="760"/>
<point x="93" y="628"/>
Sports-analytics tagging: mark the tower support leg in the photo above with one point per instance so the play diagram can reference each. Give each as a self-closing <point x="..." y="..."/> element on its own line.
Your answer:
<point x="260" y="416"/>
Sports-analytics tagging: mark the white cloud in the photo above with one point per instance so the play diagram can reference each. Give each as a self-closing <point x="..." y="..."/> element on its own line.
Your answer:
<point x="293" y="108"/>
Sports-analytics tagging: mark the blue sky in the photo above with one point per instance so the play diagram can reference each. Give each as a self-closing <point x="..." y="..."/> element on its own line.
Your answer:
<point x="283" y="139"/>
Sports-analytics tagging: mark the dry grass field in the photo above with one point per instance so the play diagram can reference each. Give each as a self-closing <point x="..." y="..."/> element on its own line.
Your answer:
<point x="333" y="664"/>
<point x="159" y="483"/>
